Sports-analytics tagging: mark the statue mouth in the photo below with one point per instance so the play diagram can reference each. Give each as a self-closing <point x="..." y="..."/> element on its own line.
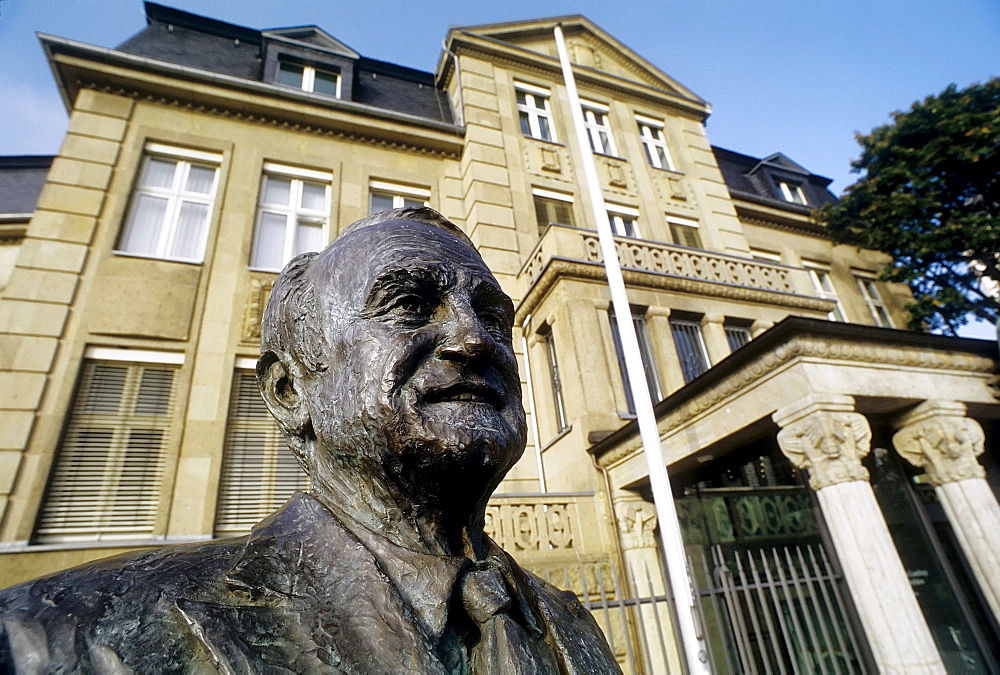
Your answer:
<point x="464" y="392"/>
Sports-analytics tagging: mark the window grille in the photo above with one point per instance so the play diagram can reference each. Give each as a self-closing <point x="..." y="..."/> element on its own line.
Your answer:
<point x="690" y="347"/>
<point x="737" y="336"/>
<point x="108" y="472"/>
<point x="645" y="351"/>
<point x="259" y="472"/>
<point x="556" y="383"/>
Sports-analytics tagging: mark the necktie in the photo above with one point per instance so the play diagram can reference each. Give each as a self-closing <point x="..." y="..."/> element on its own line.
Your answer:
<point x="504" y="646"/>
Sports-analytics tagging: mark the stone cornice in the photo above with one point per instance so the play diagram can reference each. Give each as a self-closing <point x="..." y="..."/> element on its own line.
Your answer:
<point x="800" y="338"/>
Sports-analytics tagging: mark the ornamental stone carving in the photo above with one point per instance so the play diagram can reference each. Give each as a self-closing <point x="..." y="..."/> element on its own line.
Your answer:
<point x="825" y="436"/>
<point x="636" y="522"/>
<point x="938" y="437"/>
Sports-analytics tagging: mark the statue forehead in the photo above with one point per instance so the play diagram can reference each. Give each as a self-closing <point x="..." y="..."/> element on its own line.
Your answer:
<point x="355" y="259"/>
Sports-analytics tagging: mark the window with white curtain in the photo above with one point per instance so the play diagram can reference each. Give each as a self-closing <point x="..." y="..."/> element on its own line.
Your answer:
<point x="106" y="480"/>
<point x="595" y="119"/>
<point x="292" y="215"/>
<point x="654" y="143"/>
<point x="385" y="196"/>
<point x="171" y="204"/>
<point x="259" y="472"/>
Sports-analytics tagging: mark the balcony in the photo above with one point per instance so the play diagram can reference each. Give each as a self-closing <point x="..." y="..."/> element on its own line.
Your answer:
<point x="565" y="250"/>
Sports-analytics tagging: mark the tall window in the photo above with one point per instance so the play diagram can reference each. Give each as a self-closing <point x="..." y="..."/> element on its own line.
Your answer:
<point x="595" y="119"/>
<point x="556" y="383"/>
<point x="259" y="472"/>
<point x="622" y="219"/>
<point x="106" y="480"/>
<point x="171" y="204"/>
<point x="533" y="111"/>
<point x="684" y="232"/>
<point x="645" y="351"/>
<point x="737" y="335"/>
<point x="292" y="215"/>
<point x="309" y="78"/>
<point x="823" y="286"/>
<point x="690" y="347"/>
<point x="876" y="307"/>
<point x="385" y="196"/>
<point x="552" y="207"/>
<point x="792" y="192"/>
<point x="654" y="143"/>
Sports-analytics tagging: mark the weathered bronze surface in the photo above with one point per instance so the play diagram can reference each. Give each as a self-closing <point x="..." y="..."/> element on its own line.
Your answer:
<point x="388" y="363"/>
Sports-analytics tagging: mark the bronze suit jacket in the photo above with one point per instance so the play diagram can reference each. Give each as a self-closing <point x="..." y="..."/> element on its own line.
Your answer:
<point x="301" y="593"/>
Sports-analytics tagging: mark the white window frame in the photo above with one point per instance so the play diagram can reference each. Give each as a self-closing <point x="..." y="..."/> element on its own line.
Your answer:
<point x="554" y="196"/>
<point x="398" y="192"/>
<point x="597" y="121"/>
<point x="761" y="254"/>
<point x="873" y="299"/>
<point x="685" y="222"/>
<point x="176" y="196"/>
<point x="818" y="274"/>
<point x="534" y="112"/>
<point x="294" y="213"/>
<point x="618" y="215"/>
<point x="652" y="136"/>
<point x="792" y="192"/>
<point x="309" y="77"/>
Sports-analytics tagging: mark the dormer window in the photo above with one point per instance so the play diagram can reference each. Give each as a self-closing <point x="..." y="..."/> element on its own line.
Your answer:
<point x="792" y="192"/>
<point x="309" y="78"/>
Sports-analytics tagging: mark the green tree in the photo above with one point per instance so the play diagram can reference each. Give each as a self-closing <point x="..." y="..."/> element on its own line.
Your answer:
<point x="930" y="198"/>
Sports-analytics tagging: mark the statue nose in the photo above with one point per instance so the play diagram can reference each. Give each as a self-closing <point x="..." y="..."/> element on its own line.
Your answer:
<point x="465" y="336"/>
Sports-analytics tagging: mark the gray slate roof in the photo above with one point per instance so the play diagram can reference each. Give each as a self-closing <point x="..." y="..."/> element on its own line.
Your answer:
<point x="758" y="179"/>
<point x="22" y="178"/>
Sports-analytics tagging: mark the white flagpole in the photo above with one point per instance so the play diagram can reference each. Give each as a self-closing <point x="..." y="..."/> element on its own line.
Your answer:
<point x="670" y="531"/>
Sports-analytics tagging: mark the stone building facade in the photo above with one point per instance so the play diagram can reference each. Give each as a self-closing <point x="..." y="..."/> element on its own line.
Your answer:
<point x="835" y="476"/>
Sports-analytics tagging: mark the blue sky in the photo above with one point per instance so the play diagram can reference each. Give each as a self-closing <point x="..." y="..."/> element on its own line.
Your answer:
<point x="781" y="75"/>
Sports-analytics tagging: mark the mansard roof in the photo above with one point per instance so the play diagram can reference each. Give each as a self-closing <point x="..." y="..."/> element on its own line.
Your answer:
<point x="758" y="179"/>
<point x="22" y="178"/>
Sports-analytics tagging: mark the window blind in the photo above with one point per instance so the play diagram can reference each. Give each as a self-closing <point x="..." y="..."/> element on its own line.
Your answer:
<point x="259" y="472"/>
<point x="108" y="471"/>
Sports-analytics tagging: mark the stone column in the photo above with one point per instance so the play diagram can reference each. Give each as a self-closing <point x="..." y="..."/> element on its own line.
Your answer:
<point x="937" y="436"/>
<point x="637" y="526"/>
<point x="713" y="329"/>
<point x="823" y="434"/>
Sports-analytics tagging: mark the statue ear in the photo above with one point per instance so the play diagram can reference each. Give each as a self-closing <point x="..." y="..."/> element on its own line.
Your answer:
<point x="280" y="382"/>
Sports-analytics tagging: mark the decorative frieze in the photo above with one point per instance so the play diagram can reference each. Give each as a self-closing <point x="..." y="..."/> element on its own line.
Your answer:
<point x="824" y="435"/>
<point x="530" y="526"/>
<point x="938" y="437"/>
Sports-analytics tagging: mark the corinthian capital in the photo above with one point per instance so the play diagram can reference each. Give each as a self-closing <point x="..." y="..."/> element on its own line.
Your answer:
<point x="937" y="436"/>
<point x="825" y="436"/>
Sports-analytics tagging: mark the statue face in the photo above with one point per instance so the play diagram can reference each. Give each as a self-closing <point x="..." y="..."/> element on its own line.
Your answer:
<point x="422" y="363"/>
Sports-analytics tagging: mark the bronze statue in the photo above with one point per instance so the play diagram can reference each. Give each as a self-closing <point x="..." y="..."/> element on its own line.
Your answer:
<point x="388" y="363"/>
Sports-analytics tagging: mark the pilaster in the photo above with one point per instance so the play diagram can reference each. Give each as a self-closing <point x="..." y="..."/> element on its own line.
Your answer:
<point x="937" y="436"/>
<point x="825" y="436"/>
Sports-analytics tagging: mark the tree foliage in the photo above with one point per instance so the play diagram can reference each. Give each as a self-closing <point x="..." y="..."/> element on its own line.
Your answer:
<point x="930" y="198"/>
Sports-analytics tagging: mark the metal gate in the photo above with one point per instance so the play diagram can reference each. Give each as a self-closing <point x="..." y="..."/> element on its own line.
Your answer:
<point x="776" y="610"/>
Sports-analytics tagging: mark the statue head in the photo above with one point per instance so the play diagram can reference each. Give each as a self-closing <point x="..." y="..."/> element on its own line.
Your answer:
<point x="388" y="357"/>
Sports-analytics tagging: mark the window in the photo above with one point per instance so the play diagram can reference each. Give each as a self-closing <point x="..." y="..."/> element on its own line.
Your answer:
<point x="292" y="214"/>
<point x="684" y="232"/>
<point x="737" y="335"/>
<point x="792" y="192"/>
<point x="654" y="143"/>
<point x="690" y="347"/>
<point x="645" y="351"/>
<point x="557" y="396"/>
<point x="761" y="254"/>
<point x="171" y="205"/>
<point x="823" y="286"/>
<point x="552" y="207"/>
<point x="533" y="111"/>
<point x="622" y="219"/>
<point x="309" y="78"/>
<point x="874" y="301"/>
<point x="595" y="119"/>
<point x="259" y="472"/>
<point x="106" y="479"/>
<point x="384" y="196"/>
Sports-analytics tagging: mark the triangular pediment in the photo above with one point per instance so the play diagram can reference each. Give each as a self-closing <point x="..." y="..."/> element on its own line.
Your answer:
<point x="779" y="160"/>
<point x="588" y="45"/>
<point x="311" y="36"/>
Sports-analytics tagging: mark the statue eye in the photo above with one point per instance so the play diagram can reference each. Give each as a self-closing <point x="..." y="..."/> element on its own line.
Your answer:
<point x="410" y="306"/>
